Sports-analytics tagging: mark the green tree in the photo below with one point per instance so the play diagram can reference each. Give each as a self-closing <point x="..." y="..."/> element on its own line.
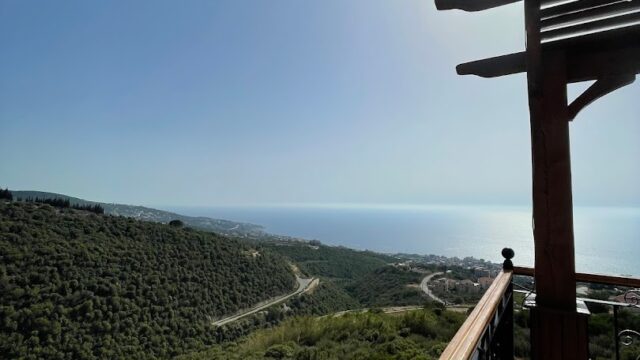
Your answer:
<point x="176" y="223"/>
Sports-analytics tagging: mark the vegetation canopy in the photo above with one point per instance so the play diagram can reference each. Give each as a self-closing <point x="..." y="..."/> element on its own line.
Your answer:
<point x="6" y="194"/>
<point x="416" y="335"/>
<point x="74" y="284"/>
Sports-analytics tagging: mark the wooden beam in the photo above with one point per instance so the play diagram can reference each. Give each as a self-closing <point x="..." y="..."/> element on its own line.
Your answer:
<point x="608" y="280"/>
<point x="471" y="5"/>
<point x="582" y="65"/>
<point x="589" y="278"/>
<point x="495" y="66"/>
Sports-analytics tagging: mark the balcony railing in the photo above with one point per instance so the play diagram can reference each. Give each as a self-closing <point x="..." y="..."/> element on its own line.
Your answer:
<point x="488" y="332"/>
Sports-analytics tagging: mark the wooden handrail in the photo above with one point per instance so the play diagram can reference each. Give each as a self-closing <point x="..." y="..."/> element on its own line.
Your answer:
<point x="589" y="278"/>
<point x="466" y="340"/>
<point x="522" y="270"/>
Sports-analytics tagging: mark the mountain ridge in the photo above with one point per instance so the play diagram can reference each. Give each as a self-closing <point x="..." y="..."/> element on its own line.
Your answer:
<point x="220" y="226"/>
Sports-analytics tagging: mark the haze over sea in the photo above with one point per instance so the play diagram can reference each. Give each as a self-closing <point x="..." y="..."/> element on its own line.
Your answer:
<point x="607" y="239"/>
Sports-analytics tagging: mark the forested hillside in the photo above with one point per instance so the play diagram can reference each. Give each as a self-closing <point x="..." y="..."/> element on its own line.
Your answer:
<point x="74" y="284"/>
<point x="365" y="277"/>
<point x="331" y="261"/>
<point x="225" y="227"/>
<point x="388" y="286"/>
<point x="416" y="335"/>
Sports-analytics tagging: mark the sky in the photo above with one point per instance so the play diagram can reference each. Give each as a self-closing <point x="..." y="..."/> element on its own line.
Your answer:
<point x="203" y="103"/>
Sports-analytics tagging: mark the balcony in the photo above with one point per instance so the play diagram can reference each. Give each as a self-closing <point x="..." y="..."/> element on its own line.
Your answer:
<point x="488" y="332"/>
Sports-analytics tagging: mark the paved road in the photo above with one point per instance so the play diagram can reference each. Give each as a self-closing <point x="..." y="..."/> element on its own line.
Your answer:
<point x="386" y="310"/>
<point x="425" y="288"/>
<point x="303" y="285"/>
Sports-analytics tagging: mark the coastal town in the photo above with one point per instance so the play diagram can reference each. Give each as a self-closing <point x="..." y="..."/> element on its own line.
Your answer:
<point x="451" y="280"/>
<point x="461" y="282"/>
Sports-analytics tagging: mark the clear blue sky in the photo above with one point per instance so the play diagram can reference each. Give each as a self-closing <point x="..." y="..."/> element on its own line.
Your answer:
<point x="274" y="101"/>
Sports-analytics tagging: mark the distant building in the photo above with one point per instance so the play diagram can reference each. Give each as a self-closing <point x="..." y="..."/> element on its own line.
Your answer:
<point x="482" y="272"/>
<point x="468" y="286"/>
<point x="485" y="282"/>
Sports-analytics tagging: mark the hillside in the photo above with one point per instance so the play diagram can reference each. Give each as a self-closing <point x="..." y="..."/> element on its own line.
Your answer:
<point x="388" y="286"/>
<point x="224" y="227"/>
<point x="363" y="277"/>
<point x="335" y="262"/>
<point x="416" y="335"/>
<point x="79" y="285"/>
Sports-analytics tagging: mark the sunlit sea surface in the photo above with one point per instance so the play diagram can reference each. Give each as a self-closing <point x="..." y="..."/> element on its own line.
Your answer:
<point x="607" y="240"/>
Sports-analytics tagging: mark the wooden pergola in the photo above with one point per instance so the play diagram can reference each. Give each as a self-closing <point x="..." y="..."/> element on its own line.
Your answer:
<point x="567" y="41"/>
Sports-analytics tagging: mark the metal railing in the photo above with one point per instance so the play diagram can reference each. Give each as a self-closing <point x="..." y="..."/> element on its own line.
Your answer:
<point x="630" y="300"/>
<point x="488" y="332"/>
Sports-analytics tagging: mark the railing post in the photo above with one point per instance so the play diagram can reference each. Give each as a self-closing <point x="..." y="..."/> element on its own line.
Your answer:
<point x="508" y="348"/>
<point x="505" y="349"/>
<point x="615" y="331"/>
<point x="507" y="254"/>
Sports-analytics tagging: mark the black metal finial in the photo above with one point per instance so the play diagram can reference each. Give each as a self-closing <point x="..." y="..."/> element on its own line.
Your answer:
<point x="508" y="254"/>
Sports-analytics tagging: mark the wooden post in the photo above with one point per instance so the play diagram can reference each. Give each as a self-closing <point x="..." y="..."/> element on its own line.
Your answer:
<point x="557" y="330"/>
<point x="552" y="200"/>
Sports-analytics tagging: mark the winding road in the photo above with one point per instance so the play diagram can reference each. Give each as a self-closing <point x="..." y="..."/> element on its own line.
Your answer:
<point x="308" y="284"/>
<point x="303" y="286"/>
<point x="424" y="286"/>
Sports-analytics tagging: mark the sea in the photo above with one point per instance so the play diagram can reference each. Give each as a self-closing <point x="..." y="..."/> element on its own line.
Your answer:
<point x="607" y="239"/>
